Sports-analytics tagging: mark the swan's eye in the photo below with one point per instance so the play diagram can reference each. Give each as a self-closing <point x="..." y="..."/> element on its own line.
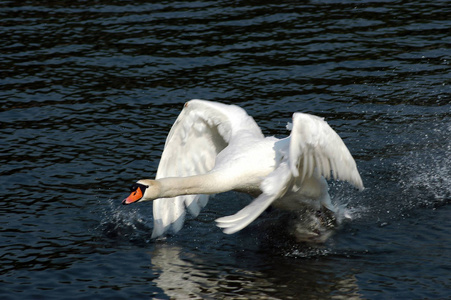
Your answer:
<point x="135" y="187"/>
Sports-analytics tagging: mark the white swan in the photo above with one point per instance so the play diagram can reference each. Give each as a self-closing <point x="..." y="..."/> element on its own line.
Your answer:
<point x="214" y="148"/>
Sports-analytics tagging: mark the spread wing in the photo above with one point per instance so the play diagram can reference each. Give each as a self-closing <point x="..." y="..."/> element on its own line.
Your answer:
<point x="315" y="145"/>
<point x="312" y="148"/>
<point x="201" y="131"/>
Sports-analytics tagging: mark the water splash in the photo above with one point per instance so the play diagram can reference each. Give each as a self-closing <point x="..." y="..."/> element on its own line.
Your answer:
<point x="348" y="202"/>
<point x="426" y="175"/>
<point x="431" y="178"/>
<point x="128" y="224"/>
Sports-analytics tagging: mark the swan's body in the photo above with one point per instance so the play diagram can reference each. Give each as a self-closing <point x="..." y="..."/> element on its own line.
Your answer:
<point x="214" y="148"/>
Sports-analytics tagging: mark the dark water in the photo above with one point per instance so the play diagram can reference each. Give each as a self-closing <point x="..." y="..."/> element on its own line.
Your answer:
<point x="89" y="90"/>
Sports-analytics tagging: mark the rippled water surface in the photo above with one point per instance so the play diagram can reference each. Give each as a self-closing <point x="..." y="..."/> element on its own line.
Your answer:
<point x="89" y="90"/>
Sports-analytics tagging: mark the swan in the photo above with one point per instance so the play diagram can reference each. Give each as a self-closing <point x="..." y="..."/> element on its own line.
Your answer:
<point x="214" y="147"/>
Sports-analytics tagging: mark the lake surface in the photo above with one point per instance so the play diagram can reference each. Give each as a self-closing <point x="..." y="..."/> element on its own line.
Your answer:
<point x="90" y="89"/>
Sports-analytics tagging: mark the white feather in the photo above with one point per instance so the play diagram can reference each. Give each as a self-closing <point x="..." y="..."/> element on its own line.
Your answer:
<point x="313" y="140"/>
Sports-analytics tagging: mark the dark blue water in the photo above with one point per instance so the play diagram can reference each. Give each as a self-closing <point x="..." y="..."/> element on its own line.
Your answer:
<point x="89" y="90"/>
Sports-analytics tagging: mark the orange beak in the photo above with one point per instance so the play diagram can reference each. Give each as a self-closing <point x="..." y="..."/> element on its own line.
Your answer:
<point x="134" y="196"/>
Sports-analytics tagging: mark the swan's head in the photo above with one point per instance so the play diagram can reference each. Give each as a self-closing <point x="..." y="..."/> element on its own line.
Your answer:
<point x="143" y="190"/>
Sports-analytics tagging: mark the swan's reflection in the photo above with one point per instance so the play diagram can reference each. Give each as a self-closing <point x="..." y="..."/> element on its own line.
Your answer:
<point x="188" y="275"/>
<point x="178" y="278"/>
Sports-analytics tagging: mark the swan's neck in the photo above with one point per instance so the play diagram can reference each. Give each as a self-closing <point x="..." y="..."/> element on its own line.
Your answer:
<point x="191" y="185"/>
